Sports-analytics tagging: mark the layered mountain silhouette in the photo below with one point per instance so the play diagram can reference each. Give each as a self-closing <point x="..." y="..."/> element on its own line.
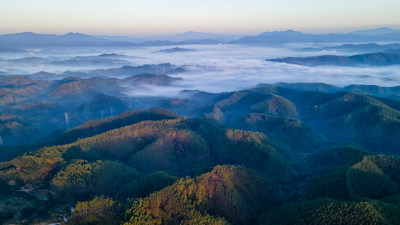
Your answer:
<point x="84" y="147"/>
<point x="34" y="109"/>
<point x="291" y="36"/>
<point x="321" y="154"/>
<point x="29" y="39"/>
<point x="18" y="41"/>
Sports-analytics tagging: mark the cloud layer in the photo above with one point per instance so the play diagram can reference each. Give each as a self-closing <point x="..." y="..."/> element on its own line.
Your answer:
<point x="212" y="68"/>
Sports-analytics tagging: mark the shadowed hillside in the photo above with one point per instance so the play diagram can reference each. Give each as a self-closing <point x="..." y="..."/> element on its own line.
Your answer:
<point x="157" y="167"/>
<point x="308" y="119"/>
<point x="236" y="193"/>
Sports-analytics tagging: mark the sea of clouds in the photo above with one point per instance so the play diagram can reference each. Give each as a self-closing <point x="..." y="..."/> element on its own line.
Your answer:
<point x="211" y="68"/>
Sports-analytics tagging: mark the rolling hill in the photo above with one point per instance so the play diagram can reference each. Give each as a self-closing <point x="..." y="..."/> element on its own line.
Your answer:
<point x="154" y="166"/>
<point x="328" y="118"/>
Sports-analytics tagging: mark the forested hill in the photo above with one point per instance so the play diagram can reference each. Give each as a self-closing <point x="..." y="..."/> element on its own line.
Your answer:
<point x="244" y="157"/>
<point x="156" y="167"/>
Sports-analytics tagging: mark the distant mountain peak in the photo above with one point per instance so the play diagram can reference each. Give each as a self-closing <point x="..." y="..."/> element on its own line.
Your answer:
<point x="291" y="31"/>
<point x="384" y="29"/>
<point x="28" y="34"/>
<point x="292" y="36"/>
<point x="284" y="32"/>
<point x="376" y="31"/>
<point x="76" y="34"/>
<point x="191" y="32"/>
<point x="196" y="32"/>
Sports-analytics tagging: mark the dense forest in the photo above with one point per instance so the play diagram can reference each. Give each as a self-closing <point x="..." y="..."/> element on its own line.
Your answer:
<point x="283" y="154"/>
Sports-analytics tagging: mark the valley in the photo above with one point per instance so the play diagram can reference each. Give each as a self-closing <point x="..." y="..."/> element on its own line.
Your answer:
<point x="310" y="145"/>
<point x="278" y="128"/>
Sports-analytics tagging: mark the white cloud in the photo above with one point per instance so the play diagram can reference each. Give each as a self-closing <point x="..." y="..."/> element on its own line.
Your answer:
<point x="218" y="68"/>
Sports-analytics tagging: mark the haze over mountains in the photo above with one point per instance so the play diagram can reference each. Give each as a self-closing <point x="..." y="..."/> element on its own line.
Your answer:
<point x="198" y="128"/>
<point x="190" y="35"/>
<point x="291" y="36"/>
<point x="29" y="39"/>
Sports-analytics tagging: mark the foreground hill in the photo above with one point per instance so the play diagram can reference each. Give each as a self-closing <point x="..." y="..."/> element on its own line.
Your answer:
<point x="220" y="197"/>
<point x="362" y="189"/>
<point x="156" y="167"/>
<point x="94" y="127"/>
<point x="232" y="192"/>
<point x="330" y="212"/>
<point x="179" y="146"/>
<point x="129" y="151"/>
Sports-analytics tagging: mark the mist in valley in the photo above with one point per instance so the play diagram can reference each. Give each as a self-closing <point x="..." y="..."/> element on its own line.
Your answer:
<point x="209" y="68"/>
<point x="278" y="127"/>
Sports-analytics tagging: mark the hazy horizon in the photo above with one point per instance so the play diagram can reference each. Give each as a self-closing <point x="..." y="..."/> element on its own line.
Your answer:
<point x="344" y="31"/>
<point x="157" y="17"/>
<point x="256" y="112"/>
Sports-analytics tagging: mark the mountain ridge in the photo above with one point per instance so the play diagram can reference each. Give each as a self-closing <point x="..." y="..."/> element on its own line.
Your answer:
<point x="291" y="36"/>
<point x="29" y="39"/>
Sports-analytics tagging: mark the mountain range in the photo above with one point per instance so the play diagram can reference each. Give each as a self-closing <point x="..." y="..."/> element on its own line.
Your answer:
<point x="190" y="35"/>
<point x="83" y="148"/>
<point x="30" y="40"/>
<point x="157" y="167"/>
<point x="291" y="36"/>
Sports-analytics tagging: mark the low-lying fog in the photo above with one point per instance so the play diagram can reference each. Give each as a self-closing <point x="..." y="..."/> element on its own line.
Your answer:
<point x="212" y="68"/>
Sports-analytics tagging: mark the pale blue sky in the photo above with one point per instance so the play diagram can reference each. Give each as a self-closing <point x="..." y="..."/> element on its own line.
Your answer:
<point x="175" y="16"/>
